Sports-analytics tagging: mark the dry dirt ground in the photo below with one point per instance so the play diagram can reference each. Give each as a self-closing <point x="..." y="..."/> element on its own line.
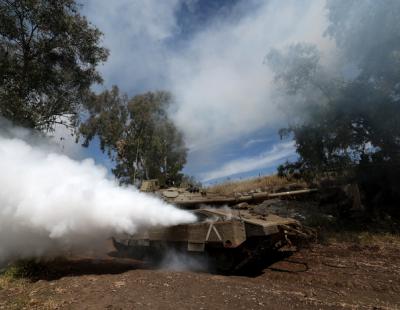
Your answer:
<point x="339" y="275"/>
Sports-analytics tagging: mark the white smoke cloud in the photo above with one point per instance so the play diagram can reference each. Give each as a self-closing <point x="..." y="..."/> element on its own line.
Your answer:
<point x="50" y="203"/>
<point x="218" y="76"/>
<point x="220" y="81"/>
<point x="64" y="139"/>
<point x="223" y="89"/>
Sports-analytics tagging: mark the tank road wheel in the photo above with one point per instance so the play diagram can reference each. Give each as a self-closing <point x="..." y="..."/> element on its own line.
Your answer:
<point x="222" y="260"/>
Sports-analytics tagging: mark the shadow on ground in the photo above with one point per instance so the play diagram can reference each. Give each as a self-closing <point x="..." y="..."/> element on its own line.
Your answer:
<point x="66" y="267"/>
<point x="278" y="261"/>
<point x="274" y="260"/>
<point x="117" y="263"/>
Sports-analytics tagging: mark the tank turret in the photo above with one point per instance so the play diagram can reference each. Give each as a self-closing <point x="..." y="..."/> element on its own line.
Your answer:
<point x="193" y="197"/>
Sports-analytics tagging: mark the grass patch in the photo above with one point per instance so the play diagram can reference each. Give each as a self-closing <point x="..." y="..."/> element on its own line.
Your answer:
<point x="362" y="238"/>
<point x="266" y="183"/>
<point x="9" y="282"/>
<point x="24" y="269"/>
<point x="4" y="281"/>
<point x="21" y="269"/>
<point x="363" y="232"/>
<point x="16" y="282"/>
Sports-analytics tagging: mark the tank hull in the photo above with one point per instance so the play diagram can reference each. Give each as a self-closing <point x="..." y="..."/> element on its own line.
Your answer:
<point x="228" y="240"/>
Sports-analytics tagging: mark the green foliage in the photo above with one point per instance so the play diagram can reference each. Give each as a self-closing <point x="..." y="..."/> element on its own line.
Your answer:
<point x="107" y="115"/>
<point x="138" y="134"/>
<point x="348" y="124"/>
<point x="189" y="181"/>
<point x="25" y="268"/>
<point x="48" y="59"/>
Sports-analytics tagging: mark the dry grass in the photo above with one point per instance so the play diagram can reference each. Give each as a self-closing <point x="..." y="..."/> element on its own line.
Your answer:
<point x="365" y="238"/>
<point x="16" y="286"/>
<point x="14" y="281"/>
<point x="266" y="183"/>
<point x="50" y="304"/>
<point x="4" y="281"/>
<point x="10" y="276"/>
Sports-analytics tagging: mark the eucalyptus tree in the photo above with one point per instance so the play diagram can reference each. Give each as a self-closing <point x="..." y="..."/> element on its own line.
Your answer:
<point x="137" y="134"/>
<point x="48" y="58"/>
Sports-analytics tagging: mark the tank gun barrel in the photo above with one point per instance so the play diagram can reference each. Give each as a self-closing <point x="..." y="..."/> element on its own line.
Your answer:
<point x="237" y="198"/>
<point x="297" y="192"/>
<point x="267" y="195"/>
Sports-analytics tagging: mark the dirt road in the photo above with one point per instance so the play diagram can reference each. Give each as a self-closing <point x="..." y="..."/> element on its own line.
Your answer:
<point x="330" y="277"/>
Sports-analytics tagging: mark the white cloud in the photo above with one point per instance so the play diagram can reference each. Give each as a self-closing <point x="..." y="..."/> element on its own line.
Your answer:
<point x="252" y="142"/>
<point x="279" y="152"/>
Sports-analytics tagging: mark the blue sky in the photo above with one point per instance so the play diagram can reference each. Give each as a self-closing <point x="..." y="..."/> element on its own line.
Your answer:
<point x="210" y="55"/>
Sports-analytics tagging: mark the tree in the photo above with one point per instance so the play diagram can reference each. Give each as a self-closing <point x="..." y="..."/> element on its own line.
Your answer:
<point x="348" y="122"/>
<point x="137" y="134"/>
<point x="48" y="59"/>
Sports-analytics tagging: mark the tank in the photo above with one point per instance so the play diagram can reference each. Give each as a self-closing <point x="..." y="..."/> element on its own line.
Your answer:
<point x="229" y="240"/>
<point x="192" y="197"/>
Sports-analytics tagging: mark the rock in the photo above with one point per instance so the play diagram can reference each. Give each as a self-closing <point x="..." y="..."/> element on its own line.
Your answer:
<point x="242" y="206"/>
